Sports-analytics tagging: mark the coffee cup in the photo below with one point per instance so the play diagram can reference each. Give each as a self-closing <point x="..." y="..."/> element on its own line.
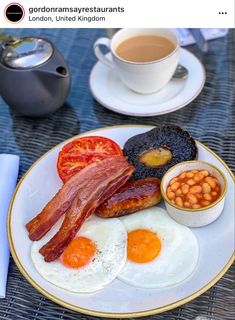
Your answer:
<point x="144" y="59"/>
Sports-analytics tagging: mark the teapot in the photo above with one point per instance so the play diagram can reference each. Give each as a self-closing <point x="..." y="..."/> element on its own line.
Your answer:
<point x="34" y="77"/>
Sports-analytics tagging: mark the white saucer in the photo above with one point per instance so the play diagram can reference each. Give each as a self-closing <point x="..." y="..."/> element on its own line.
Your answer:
<point x="109" y="91"/>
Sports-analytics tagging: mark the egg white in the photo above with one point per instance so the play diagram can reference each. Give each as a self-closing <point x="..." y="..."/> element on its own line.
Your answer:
<point x="178" y="256"/>
<point x="110" y="238"/>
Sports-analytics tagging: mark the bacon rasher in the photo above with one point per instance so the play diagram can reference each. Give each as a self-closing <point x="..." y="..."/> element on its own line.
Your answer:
<point x="102" y="186"/>
<point x="63" y="199"/>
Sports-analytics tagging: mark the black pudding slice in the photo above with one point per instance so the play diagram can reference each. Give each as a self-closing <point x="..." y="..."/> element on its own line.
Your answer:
<point x="154" y="152"/>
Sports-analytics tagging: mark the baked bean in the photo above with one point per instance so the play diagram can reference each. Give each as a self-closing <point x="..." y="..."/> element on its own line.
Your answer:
<point x="211" y="182"/>
<point x="189" y="174"/>
<point x="191" y="182"/>
<point x="178" y="192"/>
<point x="205" y="173"/>
<point x="191" y="198"/>
<point x="175" y="186"/>
<point x="170" y="194"/>
<point x="187" y="204"/>
<point x="216" y="181"/>
<point x="206" y="188"/>
<point x="182" y="175"/>
<point x="205" y="203"/>
<point x="173" y="181"/>
<point x="196" y="206"/>
<point x="179" y="202"/>
<point x="185" y="189"/>
<point x="195" y="189"/>
<point x="198" y="176"/>
<point x="207" y="196"/>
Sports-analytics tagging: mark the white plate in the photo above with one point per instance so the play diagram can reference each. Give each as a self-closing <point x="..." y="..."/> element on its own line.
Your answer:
<point x="118" y="299"/>
<point x="109" y="91"/>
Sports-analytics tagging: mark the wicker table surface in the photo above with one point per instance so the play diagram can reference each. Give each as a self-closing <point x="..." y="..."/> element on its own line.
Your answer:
<point x="210" y="118"/>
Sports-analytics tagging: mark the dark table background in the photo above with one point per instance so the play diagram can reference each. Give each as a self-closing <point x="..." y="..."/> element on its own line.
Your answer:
<point x="210" y="119"/>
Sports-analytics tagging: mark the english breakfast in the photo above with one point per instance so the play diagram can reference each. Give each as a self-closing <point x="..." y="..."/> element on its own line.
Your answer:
<point x="104" y="222"/>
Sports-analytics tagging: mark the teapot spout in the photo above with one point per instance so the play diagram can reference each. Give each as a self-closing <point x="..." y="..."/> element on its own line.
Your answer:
<point x="62" y="71"/>
<point x="58" y="71"/>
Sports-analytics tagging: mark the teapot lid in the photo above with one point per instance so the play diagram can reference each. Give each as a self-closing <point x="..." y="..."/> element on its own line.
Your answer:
<point x="26" y="53"/>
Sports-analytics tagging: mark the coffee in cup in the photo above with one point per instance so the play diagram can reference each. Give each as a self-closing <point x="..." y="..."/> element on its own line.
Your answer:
<point x="144" y="59"/>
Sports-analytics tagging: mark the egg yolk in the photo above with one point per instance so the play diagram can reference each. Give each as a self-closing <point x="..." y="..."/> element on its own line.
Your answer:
<point x="143" y="246"/>
<point x="79" y="252"/>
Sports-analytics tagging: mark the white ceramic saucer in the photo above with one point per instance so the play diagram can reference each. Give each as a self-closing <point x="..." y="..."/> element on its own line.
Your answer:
<point x="109" y="91"/>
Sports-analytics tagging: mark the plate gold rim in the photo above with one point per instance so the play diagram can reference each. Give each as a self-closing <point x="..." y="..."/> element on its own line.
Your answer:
<point x="100" y="313"/>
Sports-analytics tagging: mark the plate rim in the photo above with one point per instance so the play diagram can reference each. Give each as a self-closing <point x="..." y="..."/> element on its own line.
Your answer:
<point x="103" y="314"/>
<point x="150" y="114"/>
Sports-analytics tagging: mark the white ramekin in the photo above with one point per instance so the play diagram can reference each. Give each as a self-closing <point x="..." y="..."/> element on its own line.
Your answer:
<point x="194" y="217"/>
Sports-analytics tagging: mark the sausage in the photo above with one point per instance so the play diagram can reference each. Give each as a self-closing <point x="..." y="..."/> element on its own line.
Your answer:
<point x="132" y="197"/>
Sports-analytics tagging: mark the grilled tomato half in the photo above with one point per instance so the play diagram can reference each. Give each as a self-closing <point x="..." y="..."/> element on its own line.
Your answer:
<point x="80" y="152"/>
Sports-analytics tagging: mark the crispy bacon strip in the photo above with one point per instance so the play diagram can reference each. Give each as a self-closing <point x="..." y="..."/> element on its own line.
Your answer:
<point x="63" y="199"/>
<point x="101" y="187"/>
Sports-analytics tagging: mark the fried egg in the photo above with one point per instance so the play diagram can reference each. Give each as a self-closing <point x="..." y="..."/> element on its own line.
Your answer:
<point x="91" y="261"/>
<point x="160" y="252"/>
